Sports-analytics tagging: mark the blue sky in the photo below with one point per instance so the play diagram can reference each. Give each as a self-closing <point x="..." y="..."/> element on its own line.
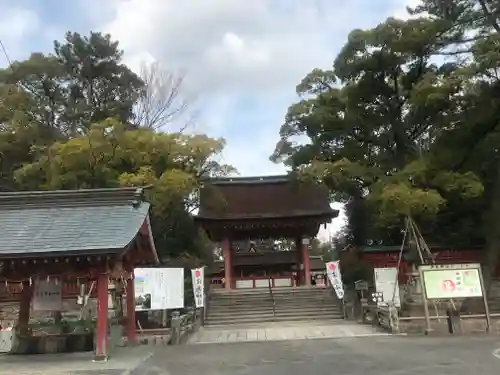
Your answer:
<point x="243" y="59"/>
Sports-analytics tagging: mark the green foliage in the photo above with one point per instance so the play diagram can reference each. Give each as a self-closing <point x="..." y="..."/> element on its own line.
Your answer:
<point x="66" y="123"/>
<point x="394" y="131"/>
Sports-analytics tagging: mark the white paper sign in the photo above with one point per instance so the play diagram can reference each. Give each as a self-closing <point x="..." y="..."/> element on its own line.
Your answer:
<point x="335" y="277"/>
<point x="197" y="275"/>
<point x="47" y="296"/>
<point x="159" y="288"/>
<point x="6" y="340"/>
<point x="386" y="283"/>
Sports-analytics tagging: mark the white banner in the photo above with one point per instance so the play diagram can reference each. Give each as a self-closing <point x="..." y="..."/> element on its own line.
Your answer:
<point x="159" y="288"/>
<point x="197" y="275"/>
<point x="335" y="277"/>
<point x="47" y="296"/>
<point x="386" y="283"/>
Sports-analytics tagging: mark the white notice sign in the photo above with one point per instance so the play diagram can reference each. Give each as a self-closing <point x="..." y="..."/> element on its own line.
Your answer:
<point x="386" y="282"/>
<point x="159" y="288"/>
<point x="47" y="296"/>
<point x="335" y="278"/>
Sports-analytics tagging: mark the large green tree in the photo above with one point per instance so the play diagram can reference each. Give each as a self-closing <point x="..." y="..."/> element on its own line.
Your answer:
<point x="67" y="122"/>
<point x="471" y="35"/>
<point x="83" y="81"/>
<point x="109" y="155"/>
<point x="372" y="122"/>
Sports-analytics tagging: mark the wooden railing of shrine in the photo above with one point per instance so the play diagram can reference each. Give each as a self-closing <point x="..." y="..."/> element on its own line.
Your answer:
<point x="268" y="258"/>
<point x="254" y="282"/>
<point x="12" y="291"/>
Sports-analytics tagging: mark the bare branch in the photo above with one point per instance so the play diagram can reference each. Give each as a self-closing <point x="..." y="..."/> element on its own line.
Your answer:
<point x="163" y="102"/>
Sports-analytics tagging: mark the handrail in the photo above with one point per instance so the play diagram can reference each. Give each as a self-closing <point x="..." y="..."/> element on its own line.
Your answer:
<point x="271" y="295"/>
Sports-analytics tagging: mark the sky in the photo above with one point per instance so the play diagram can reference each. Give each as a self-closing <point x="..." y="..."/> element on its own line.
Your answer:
<point x="242" y="59"/>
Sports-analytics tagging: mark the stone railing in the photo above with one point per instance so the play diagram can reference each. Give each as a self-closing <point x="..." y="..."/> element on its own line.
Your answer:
<point x="387" y="317"/>
<point x="181" y="326"/>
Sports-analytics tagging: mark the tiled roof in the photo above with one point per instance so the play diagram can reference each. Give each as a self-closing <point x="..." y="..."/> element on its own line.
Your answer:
<point x="69" y="222"/>
<point x="263" y="197"/>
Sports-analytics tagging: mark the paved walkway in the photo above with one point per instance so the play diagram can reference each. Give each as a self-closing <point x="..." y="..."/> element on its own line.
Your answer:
<point x="122" y="361"/>
<point x="270" y="332"/>
<point x="395" y="355"/>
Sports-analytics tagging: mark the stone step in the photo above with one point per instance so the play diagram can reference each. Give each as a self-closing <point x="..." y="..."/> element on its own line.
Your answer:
<point x="243" y="304"/>
<point x="217" y="312"/>
<point x="255" y="325"/>
<point x="269" y="318"/>
<point x="279" y="309"/>
<point x="256" y="306"/>
<point x="262" y="306"/>
<point x="256" y="297"/>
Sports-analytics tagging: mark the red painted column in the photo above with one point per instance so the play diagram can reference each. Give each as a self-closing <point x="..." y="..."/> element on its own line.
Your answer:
<point x="300" y="270"/>
<point x="305" y="261"/>
<point x="131" y="330"/>
<point x="24" y="308"/>
<point x="226" y="250"/>
<point x="101" y="352"/>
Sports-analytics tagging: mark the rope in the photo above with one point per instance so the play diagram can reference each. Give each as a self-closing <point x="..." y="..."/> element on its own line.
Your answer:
<point x="400" y="256"/>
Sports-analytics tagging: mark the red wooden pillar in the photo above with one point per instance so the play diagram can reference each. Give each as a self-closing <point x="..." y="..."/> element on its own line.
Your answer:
<point x="101" y="351"/>
<point x="24" y="308"/>
<point x="131" y="330"/>
<point x="226" y="250"/>
<point x="305" y="261"/>
<point x="300" y="262"/>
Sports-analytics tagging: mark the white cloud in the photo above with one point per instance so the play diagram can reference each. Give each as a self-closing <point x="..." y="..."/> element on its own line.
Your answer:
<point x="233" y="49"/>
<point x="16" y="23"/>
<point x="226" y="44"/>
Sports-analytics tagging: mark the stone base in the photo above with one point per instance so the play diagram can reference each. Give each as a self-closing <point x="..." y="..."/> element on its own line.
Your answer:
<point x="439" y="328"/>
<point x="100" y="358"/>
<point x="132" y="343"/>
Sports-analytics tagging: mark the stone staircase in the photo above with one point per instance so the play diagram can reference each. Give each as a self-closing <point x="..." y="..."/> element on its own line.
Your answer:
<point x="254" y="306"/>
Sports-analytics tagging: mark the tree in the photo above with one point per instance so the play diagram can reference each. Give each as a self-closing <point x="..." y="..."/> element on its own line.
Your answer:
<point x="109" y="155"/>
<point x="372" y="122"/>
<point x="163" y="101"/>
<point x="67" y="122"/>
<point x="82" y="82"/>
<point x="473" y="34"/>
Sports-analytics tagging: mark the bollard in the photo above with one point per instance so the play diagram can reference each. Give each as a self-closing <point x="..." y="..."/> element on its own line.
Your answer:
<point x="176" y="328"/>
<point x="453" y="319"/>
<point x="393" y="318"/>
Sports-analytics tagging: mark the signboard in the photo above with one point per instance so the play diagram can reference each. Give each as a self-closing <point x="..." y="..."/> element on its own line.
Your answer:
<point x="335" y="277"/>
<point x="197" y="275"/>
<point x="452" y="281"/>
<point x="47" y="296"/>
<point x="386" y="282"/>
<point x="360" y="285"/>
<point x="158" y="288"/>
<point x="6" y="340"/>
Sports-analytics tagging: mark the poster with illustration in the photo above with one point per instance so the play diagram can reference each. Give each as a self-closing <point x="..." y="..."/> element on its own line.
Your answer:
<point x="158" y="288"/>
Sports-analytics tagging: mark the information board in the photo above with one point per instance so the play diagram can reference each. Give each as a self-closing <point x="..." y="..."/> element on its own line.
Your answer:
<point x="386" y="282"/>
<point x="452" y="281"/>
<point x="47" y="295"/>
<point x="159" y="288"/>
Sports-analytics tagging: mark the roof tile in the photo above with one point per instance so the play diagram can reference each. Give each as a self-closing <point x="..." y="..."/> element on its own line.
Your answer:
<point x="60" y="222"/>
<point x="265" y="197"/>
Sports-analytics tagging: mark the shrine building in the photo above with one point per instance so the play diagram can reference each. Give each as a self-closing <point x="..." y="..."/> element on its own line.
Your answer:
<point x="264" y="226"/>
<point x="74" y="238"/>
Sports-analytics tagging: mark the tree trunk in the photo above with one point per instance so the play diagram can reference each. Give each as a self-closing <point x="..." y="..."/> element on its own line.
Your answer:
<point x="492" y="254"/>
